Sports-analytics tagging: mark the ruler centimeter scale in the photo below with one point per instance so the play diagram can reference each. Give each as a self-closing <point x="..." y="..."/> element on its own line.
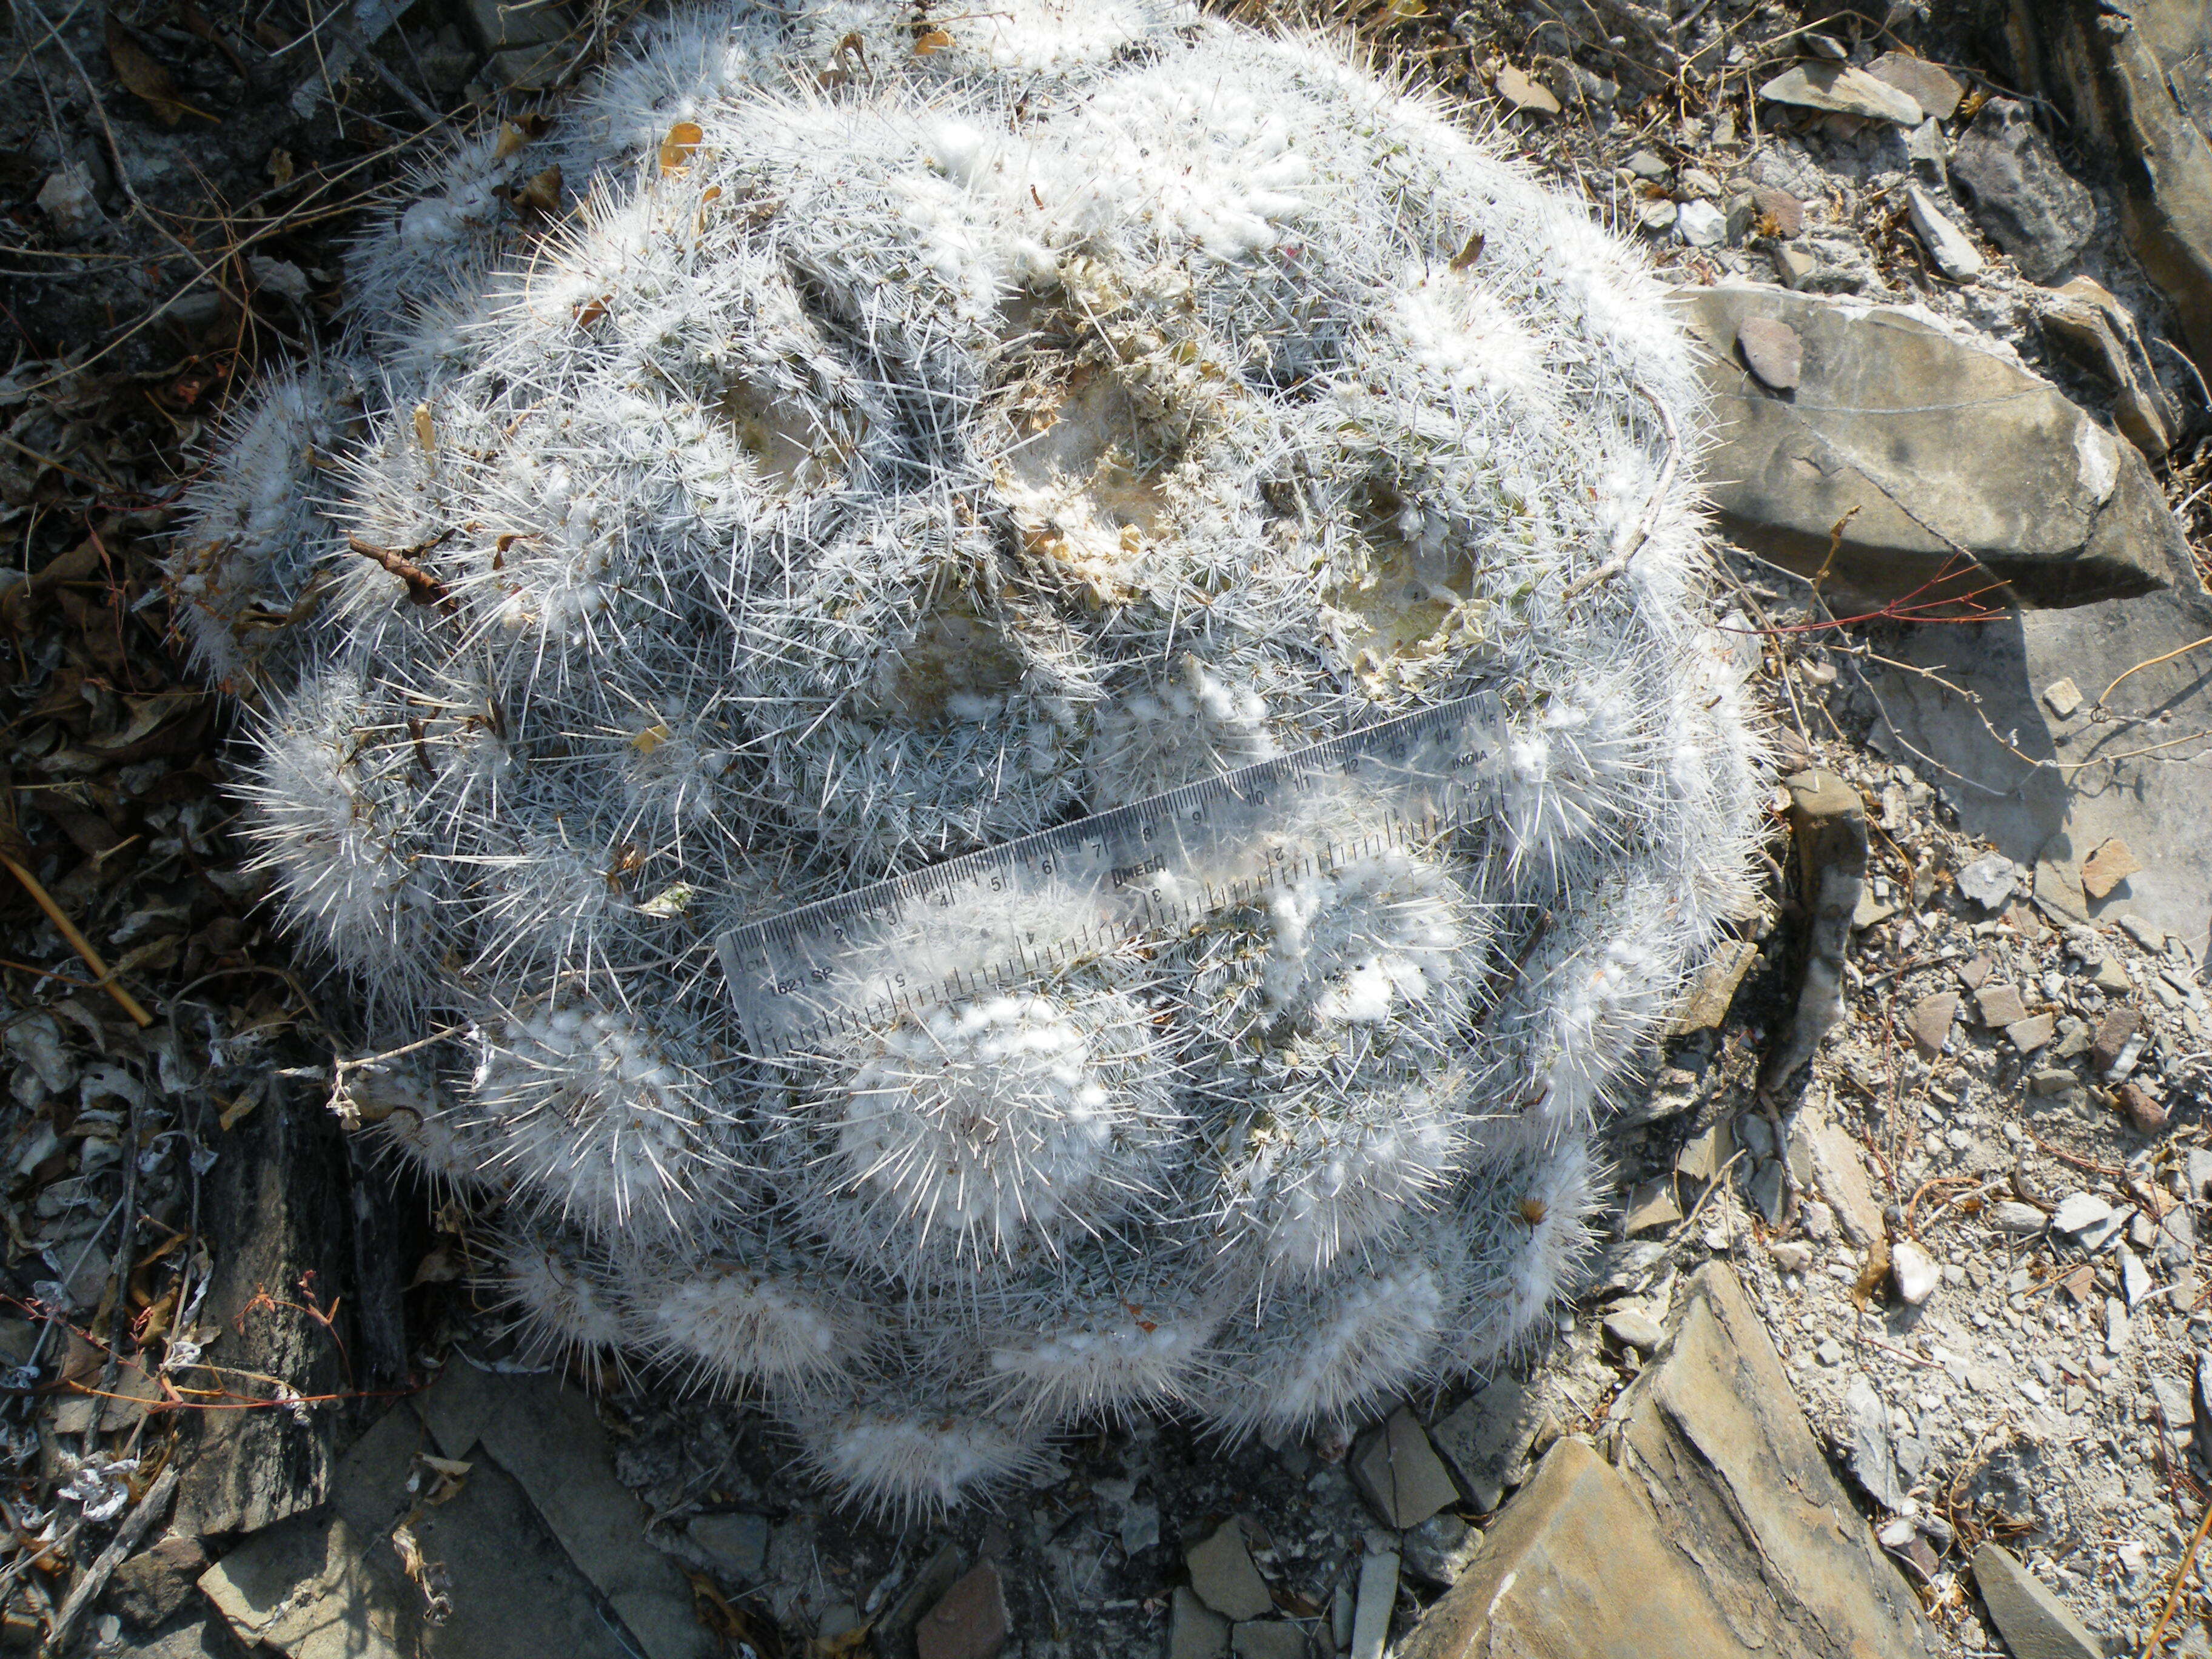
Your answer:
<point x="991" y="920"/>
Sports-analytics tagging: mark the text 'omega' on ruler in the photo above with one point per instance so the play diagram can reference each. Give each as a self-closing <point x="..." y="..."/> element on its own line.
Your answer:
<point x="996" y="919"/>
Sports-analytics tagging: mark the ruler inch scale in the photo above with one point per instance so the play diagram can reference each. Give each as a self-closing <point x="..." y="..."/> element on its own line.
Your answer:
<point x="990" y="921"/>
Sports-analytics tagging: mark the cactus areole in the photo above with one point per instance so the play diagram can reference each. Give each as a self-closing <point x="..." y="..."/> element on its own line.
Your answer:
<point x="836" y="444"/>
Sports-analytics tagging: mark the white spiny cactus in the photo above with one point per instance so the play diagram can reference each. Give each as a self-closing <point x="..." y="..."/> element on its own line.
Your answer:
<point x="901" y="435"/>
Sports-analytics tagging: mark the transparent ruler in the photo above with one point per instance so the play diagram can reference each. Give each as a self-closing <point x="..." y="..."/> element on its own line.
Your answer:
<point x="998" y="918"/>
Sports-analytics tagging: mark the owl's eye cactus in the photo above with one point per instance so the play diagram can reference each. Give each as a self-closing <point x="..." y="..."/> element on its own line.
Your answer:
<point x="897" y="441"/>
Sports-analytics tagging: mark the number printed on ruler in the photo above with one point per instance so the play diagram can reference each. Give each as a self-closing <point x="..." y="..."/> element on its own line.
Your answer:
<point x="997" y="918"/>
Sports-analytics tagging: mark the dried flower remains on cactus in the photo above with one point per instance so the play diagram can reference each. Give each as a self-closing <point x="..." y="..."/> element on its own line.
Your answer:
<point x="890" y="446"/>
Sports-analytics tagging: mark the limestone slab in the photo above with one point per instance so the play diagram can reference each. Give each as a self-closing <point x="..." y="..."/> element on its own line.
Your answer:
<point x="1714" y="1440"/>
<point x="1933" y="446"/>
<point x="1575" y="1568"/>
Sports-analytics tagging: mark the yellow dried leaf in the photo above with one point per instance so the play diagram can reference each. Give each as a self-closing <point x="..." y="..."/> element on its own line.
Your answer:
<point x="426" y="429"/>
<point x="676" y="148"/>
<point x="935" y="41"/>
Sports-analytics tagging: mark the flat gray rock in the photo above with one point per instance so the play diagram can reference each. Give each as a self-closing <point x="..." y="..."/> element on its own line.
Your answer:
<point x="1399" y="1473"/>
<point x="1194" y="1630"/>
<point x="1222" y="1572"/>
<point x="1268" y="1638"/>
<point x="1842" y="91"/>
<point x="1487" y="1439"/>
<point x="2006" y="172"/>
<point x="1714" y="1437"/>
<point x="1772" y="351"/>
<point x="1950" y="247"/>
<point x="2034" y="1623"/>
<point x="1989" y="880"/>
<point x="2078" y="1212"/>
<point x="1874" y="1464"/>
<point x="2018" y="800"/>
<point x="1931" y="86"/>
<point x="1930" y="444"/>
<point x="1574" y="1567"/>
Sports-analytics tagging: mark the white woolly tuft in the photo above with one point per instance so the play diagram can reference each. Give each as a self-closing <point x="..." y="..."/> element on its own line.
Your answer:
<point x="561" y="1305"/>
<point x="908" y="1454"/>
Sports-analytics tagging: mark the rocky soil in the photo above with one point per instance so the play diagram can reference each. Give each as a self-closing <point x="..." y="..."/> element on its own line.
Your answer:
<point x="1953" y="344"/>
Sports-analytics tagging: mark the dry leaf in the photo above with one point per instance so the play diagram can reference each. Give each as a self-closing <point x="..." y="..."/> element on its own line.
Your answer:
<point x="281" y="168"/>
<point x="586" y="314"/>
<point x="426" y="430"/>
<point x="440" y="1267"/>
<point x="140" y="74"/>
<point x="429" y="1576"/>
<point x="1468" y="255"/>
<point x="190" y="15"/>
<point x="1871" y="1275"/>
<point x="935" y="41"/>
<point x="676" y="148"/>
<point x="541" y="191"/>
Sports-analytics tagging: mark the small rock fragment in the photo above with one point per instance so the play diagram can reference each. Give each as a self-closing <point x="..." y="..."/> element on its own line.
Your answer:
<point x="1989" y="880"/>
<point x="1487" y="1440"/>
<point x="1841" y="91"/>
<point x="2142" y="1109"/>
<point x="1524" y="93"/>
<point x="1793" y="1255"/>
<point x="1378" y="1594"/>
<point x="969" y="1623"/>
<point x="2135" y="1277"/>
<point x="1930" y="1022"/>
<point x="2117" y="1326"/>
<point x="1705" y="1152"/>
<point x="1915" y="1274"/>
<point x="1646" y="165"/>
<point x="1633" y="1329"/>
<point x="2145" y="932"/>
<point x="2063" y="696"/>
<point x="2013" y="1216"/>
<point x="1781" y="214"/>
<point x="1710" y="998"/>
<point x="1839" y="1167"/>
<point x="2113" y="1032"/>
<point x="2000" y="1004"/>
<point x="1872" y="1463"/>
<point x="1931" y="87"/>
<point x="1269" y="1638"/>
<point x="1399" y="1473"/>
<point x="738" y="1542"/>
<point x="1650" y="1207"/>
<point x="2030" y="1617"/>
<point x="1194" y="1630"/>
<point x="1700" y="224"/>
<point x="1772" y="351"/>
<point x="1438" y="1550"/>
<point x="1658" y="217"/>
<point x="67" y="200"/>
<point x="1795" y="266"/>
<point x="2078" y="1212"/>
<point x="2108" y="866"/>
<point x="1768" y="1191"/>
<point x="2058" y="881"/>
<point x="1222" y="1574"/>
<point x="2030" y="1034"/>
<point x="1952" y="249"/>
<point x="1818" y="1219"/>
<point x="2006" y="172"/>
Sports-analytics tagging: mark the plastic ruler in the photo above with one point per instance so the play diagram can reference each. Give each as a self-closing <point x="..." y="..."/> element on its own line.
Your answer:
<point x="994" y="920"/>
